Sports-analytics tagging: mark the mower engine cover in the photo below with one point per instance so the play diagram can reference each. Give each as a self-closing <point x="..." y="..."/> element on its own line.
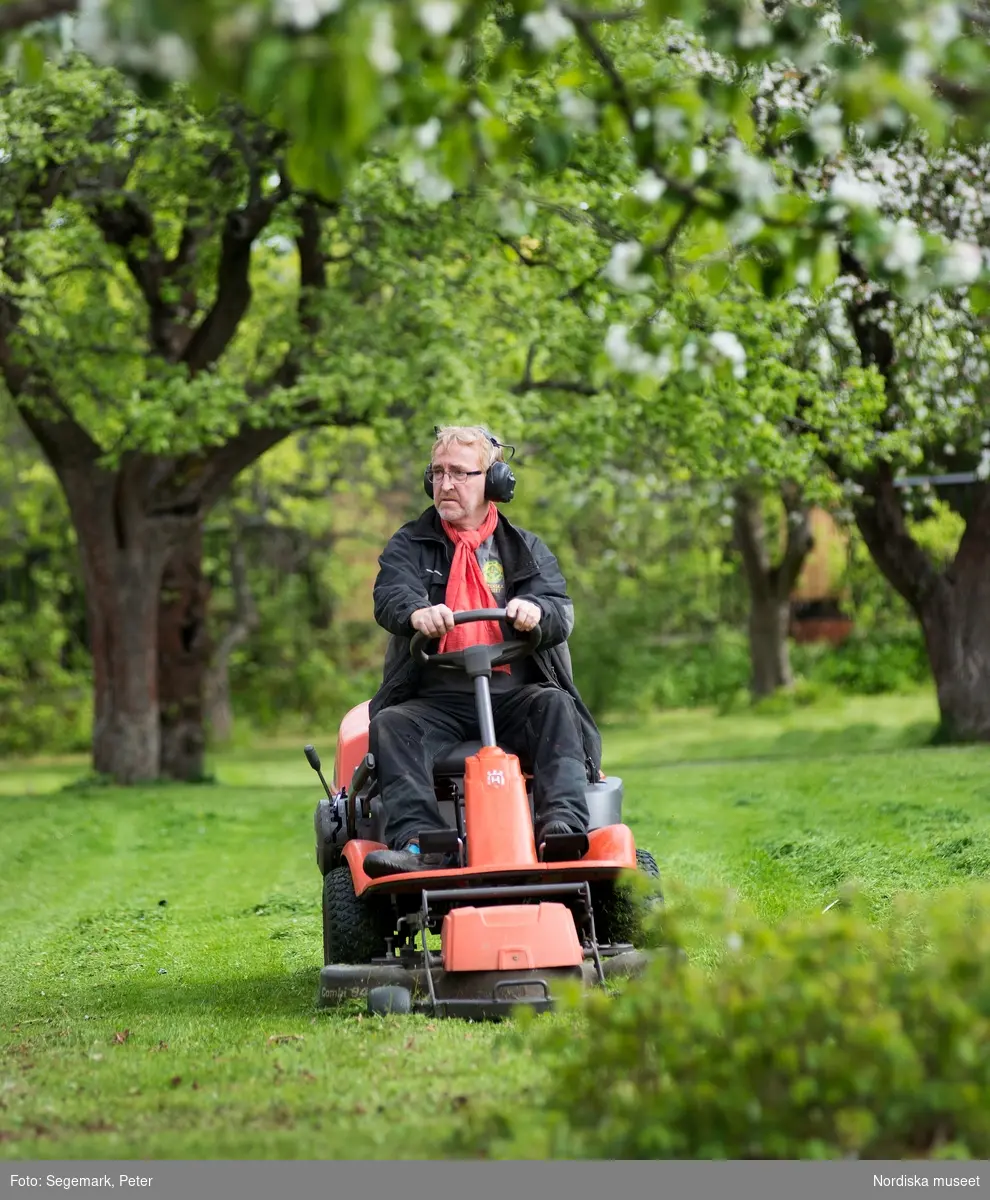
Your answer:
<point x="510" y="937"/>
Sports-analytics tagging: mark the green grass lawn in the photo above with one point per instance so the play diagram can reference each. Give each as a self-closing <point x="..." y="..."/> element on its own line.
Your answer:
<point x="159" y="948"/>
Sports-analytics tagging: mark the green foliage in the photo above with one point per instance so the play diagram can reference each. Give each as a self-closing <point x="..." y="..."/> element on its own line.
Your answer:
<point x="867" y="664"/>
<point x="816" y="1038"/>
<point x="343" y="76"/>
<point x="45" y="707"/>
<point x="714" y="671"/>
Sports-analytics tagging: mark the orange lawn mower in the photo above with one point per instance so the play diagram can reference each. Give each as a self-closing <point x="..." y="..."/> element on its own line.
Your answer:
<point x="514" y="918"/>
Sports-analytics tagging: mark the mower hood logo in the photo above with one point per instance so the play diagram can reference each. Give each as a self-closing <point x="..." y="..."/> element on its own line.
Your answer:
<point x="496" y="779"/>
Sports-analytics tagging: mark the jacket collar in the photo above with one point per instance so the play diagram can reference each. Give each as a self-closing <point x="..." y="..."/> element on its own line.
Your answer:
<point x="517" y="559"/>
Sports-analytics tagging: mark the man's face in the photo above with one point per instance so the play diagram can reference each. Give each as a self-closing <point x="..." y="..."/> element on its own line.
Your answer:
<point x="461" y="503"/>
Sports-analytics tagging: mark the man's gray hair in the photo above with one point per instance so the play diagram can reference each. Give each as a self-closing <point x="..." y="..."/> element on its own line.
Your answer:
<point x="468" y="435"/>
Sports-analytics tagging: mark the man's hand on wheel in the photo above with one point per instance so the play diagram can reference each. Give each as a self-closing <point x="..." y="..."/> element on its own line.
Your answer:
<point x="432" y="622"/>
<point x="523" y="614"/>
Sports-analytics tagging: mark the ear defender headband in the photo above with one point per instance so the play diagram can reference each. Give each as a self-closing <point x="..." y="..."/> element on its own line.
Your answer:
<point x="500" y="483"/>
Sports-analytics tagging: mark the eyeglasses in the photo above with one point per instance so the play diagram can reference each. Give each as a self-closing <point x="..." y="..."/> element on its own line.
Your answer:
<point x="455" y="476"/>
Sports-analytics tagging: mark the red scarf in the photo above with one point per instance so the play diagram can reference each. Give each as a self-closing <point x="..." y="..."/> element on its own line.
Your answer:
<point x="467" y="589"/>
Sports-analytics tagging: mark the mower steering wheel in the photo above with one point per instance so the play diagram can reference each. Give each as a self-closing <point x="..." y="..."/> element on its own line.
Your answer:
<point x="498" y="654"/>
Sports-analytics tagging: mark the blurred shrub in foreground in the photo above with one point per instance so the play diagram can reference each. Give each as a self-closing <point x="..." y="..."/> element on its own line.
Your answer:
<point x="821" y="1038"/>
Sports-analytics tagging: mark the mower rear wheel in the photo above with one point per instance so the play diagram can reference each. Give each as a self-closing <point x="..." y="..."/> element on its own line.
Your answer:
<point x="619" y="911"/>
<point x="354" y="928"/>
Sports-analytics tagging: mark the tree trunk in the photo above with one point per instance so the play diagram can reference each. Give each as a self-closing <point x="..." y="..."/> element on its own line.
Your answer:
<point x="769" y="650"/>
<point x="220" y="713"/>
<point x="770" y="585"/>
<point x="183" y="656"/>
<point x="953" y="606"/>
<point x="957" y="632"/>
<point x="957" y="636"/>
<point x="122" y="564"/>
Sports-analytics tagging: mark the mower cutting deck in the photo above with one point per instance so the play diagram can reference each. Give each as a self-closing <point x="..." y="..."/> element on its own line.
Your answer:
<point x="515" y="920"/>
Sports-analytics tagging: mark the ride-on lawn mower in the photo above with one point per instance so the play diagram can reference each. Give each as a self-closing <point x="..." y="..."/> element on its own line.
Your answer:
<point x="514" y="918"/>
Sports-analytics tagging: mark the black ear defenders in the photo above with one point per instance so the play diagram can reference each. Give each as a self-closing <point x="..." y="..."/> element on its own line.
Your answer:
<point x="500" y="483"/>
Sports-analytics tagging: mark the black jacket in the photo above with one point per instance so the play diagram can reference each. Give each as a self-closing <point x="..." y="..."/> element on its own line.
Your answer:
<point x="414" y="568"/>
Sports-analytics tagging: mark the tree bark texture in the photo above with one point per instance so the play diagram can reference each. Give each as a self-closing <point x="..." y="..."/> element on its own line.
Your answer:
<point x="183" y="658"/>
<point x="122" y="563"/>
<point x="953" y="606"/>
<point x="770" y="586"/>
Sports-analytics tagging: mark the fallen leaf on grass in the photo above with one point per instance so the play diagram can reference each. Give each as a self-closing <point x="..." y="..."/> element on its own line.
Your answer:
<point x="175" y="1080"/>
<point x="278" y="1038"/>
<point x="121" y="1036"/>
<point x="308" y="1076"/>
<point x="161" y="1046"/>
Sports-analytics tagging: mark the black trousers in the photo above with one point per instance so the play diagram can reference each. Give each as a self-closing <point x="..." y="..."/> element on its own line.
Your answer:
<point x="539" y="724"/>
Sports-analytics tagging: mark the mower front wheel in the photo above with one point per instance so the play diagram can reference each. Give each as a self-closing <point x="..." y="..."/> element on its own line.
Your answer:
<point x="619" y="911"/>
<point x="389" y="999"/>
<point x="354" y="928"/>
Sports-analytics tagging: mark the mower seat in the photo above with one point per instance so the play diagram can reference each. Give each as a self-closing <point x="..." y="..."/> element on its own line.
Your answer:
<point x="451" y="761"/>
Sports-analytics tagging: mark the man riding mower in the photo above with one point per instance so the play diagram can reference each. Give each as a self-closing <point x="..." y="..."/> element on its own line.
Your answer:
<point x="511" y="847"/>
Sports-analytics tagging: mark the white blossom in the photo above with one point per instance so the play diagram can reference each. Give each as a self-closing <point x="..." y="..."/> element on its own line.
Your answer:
<point x="650" y="187"/>
<point x="628" y="356"/>
<point x="426" y="134"/>
<point x="905" y="249"/>
<point x="961" y="265"/>
<point x="641" y="118"/>
<point x="753" y="179"/>
<point x="915" y="65"/>
<point x="621" y="267"/>
<point x="944" y="24"/>
<point x="754" y="29"/>
<point x="689" y="355"/>
<point x="825" y="127"/>
<point x="438" y="16"/>
<point x="729" y="346"/>
<point x="548" y="27"/>
<point x="850" y="190"/>
<point x="579" y="109"/>
<point x="743" y="226"/>
<point x="699" y="160"/>
<point x="173" y="57"/>
<point x="831" y="25"/>
<point x="669" y="122"/>
<point x="382" y="53"/>
<point x="432" y="187"/>
<point x="303" y="14"/>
